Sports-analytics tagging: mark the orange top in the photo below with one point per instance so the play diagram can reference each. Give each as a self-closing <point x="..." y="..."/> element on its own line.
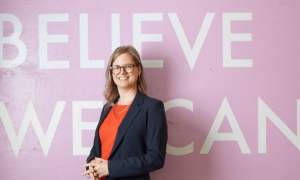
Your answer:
<point x="109" y="128"/>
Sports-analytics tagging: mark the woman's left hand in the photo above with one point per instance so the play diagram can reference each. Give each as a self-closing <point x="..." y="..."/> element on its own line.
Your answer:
<point x="100" y="167"/>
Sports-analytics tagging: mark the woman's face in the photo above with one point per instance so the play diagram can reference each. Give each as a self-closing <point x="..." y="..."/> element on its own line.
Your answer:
<point x="126" y="80"/>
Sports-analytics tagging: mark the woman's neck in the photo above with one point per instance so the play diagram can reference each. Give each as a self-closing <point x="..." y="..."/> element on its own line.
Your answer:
<point x="126" y="96"/>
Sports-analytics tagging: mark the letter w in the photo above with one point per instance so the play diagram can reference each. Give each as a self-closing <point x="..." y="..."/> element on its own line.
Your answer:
<point x="30" y="115"/>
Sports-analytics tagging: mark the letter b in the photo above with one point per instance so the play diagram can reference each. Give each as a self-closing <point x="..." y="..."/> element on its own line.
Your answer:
<point x="13" y="39"/>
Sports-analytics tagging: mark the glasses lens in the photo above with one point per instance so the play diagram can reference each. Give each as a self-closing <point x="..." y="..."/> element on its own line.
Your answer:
<point x="129" y="68"/>
<point x="116" y="69"/>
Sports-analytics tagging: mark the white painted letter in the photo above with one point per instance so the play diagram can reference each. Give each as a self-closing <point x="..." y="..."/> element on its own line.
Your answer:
<point x="263" y="112"/>
<point x="12" y="39"/>
<point x="78" y="125"/>
<point x="84" y="46"/>
<point x="228" y="37"/>
<point x="186" y="104"/>
<point x="44" y="39"/>
<point x="236" y="135"/>
<point x="30" y="115"/>
<point x="138" y="37"/>
<point x="115" y="31"/>
<point x="191" y="54"/>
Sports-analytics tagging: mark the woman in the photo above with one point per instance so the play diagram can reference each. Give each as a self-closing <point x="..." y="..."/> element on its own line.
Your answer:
<point x="131" y="135"/>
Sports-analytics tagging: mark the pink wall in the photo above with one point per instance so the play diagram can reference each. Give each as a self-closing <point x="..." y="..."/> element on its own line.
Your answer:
<point x="231" y="119"/>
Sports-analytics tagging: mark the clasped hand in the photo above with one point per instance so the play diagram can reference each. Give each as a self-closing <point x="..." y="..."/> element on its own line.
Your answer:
<point x="97" y="168"/>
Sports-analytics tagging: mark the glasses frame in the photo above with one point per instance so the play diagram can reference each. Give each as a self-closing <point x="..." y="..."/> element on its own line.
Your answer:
<point x="124" y="68"/>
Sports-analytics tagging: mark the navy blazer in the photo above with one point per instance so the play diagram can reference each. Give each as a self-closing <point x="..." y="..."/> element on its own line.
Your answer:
<point x="140" y="144"/>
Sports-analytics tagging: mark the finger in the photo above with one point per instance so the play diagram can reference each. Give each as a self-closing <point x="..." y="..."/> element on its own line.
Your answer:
<point x="88" y="164"/>
<point x="91" y="169"/>
<point x="92" y="174"/>
<point x="96" y="169"/>
<point x="86" y="172"/>
<point x="98" y="159"/>
<point x="99" y="168"/>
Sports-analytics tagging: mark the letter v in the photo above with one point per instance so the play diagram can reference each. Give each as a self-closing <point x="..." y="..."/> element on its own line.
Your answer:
<point x="191" y="54"/>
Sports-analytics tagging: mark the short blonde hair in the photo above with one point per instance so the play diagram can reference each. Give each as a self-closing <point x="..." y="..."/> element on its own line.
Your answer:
<point x="111" y="90"/>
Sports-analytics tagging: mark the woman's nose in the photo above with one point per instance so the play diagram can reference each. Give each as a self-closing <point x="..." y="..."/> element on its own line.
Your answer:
<point x="123" y="71"/>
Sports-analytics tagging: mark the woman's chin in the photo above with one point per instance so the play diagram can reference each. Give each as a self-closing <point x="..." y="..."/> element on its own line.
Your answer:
<point x="125" y="86"/>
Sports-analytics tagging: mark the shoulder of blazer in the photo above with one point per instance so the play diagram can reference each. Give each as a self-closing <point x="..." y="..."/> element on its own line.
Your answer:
<point x="149" y="102"/>
<point x="145" y="99"/>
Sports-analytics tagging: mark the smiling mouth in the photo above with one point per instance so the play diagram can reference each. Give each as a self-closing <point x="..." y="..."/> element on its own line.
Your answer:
<point x="123" y="78"/>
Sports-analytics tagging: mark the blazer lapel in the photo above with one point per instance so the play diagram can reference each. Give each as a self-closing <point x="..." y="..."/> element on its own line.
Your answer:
<point x="103" y="116"/>
<point x="105" y="113"/>
<point x="130" y="115"/>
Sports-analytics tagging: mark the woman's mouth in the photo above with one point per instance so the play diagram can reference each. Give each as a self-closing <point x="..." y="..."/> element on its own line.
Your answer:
<point x="123" y="78"/>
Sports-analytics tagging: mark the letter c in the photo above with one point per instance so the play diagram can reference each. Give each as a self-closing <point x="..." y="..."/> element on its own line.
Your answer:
<point x="186" y="104"/>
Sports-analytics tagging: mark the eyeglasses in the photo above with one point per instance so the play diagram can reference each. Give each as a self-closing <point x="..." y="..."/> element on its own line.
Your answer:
<point x="128" y="68"/>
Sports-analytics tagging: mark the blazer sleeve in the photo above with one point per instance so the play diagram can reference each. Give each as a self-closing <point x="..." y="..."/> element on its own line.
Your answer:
<point x="156" y="141"/>
<point x="93" y="153"/>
